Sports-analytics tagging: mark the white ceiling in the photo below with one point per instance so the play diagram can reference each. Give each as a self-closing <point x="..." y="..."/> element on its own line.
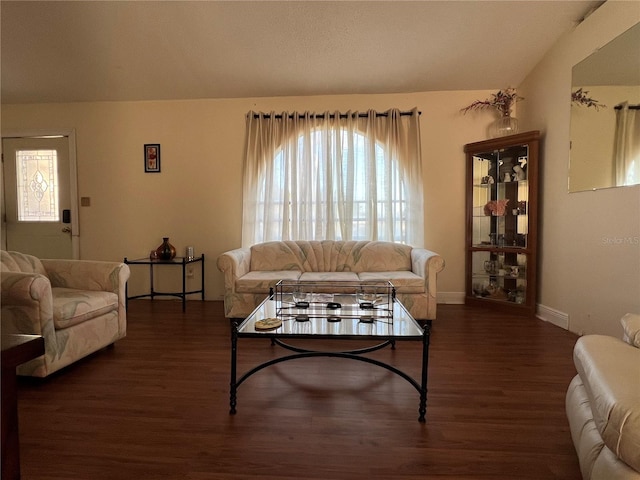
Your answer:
<point x="145" y="50"/>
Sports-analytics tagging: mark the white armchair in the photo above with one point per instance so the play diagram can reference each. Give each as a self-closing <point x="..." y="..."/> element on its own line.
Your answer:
<point x="78" y="306"/>
<point x="603" y="404"/>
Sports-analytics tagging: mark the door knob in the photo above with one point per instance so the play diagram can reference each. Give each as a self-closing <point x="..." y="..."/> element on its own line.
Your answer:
<point x="66" y="230"/>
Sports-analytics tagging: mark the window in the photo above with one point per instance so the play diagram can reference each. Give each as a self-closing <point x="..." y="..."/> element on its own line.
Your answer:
<point x="626" y="147"/>
<point x="37" y="185"/>
<point x="340" y="177"/>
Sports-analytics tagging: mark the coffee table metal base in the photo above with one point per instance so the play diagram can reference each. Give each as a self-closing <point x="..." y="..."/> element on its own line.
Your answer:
<point x="420" y="386"/>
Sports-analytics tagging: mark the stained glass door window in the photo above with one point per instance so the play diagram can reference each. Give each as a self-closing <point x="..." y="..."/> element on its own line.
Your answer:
<point x="37" y="185"/>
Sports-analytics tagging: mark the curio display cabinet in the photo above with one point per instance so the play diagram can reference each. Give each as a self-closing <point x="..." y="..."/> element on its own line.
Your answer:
<point x="502" y="222"/>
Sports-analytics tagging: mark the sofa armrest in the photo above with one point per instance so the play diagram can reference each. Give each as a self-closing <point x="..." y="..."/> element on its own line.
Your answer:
<point x="234" y="264"/>
<point x="609" y="370"/>
<point x="27" y="308"/>
<point x="631" y="325"/>
<point x="427" y="264"/>
<point x="27" y="303"/>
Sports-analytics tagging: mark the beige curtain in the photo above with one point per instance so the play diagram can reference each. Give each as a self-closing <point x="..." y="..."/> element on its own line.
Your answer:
<point x="333" y="176"/>
<point x="626" y="150"/>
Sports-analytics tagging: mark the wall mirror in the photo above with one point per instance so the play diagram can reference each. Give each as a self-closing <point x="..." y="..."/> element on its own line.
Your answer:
<point x="605" y="125"/>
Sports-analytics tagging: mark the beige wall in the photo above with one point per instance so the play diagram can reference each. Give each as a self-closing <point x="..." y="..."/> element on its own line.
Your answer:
<point x="196" y="199"/>
<point x="590" y="241"/>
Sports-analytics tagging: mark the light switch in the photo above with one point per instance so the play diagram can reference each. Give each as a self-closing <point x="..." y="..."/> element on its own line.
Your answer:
<point x="85" y="201"/>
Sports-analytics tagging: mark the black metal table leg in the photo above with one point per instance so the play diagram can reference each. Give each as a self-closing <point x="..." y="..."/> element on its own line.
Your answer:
<point x="184" y="285"/>
<point x="234" y="385"/>
<point x="425" y="366"/>
<point x="153" y="293"/>
<point x="202" y="277"/>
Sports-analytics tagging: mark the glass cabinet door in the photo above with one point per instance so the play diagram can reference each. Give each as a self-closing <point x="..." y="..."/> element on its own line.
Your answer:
<point x="501" y="218"/>
<point x="500" y="196"/>
<point x="500" y="276"/>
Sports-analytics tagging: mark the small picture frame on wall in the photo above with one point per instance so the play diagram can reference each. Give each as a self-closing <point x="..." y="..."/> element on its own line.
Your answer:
<point x="152" y="157"/>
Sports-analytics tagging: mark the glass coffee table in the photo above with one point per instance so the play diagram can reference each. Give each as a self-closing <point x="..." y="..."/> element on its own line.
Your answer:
<point x="341" y="311"/>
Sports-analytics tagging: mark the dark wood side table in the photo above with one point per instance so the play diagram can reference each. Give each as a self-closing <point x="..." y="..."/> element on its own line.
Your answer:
<point x="177" y="261"/>
<point x="16" y="349"/>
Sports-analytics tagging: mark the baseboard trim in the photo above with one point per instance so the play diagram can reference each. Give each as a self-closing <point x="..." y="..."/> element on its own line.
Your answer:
<point x="551" y="315"/>
<point x="544" y="313"/>
<point x="451" y="298"/>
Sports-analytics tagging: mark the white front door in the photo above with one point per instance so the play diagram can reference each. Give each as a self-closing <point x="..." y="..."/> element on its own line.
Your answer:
<point x="37" y="197"/>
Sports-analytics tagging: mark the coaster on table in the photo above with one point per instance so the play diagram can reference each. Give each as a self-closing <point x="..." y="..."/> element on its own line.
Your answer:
<point x="268" y="324"/>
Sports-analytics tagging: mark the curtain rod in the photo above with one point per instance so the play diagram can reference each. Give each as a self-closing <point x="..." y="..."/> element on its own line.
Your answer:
<point x="342" y="115"/>
<point x="630" y="107"/>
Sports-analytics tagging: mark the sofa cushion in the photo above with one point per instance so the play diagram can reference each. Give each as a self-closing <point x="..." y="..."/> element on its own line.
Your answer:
<point x="326" y="282"/>
<point x="607" y="367"/>
<point x="325" y="255"/>
<point x="329" y="277"/>
<point x="71" y="306"/>
<point x="274" y="256"/>
<point x="331" y="256"/>
<point x="384" y="257"/>
<point x="261" y="281"/>
<point x="21" y="262"/>
<point x="404" y="282"/>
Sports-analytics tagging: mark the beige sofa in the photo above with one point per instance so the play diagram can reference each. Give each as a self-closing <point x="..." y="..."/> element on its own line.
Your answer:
<point x="78" y="306"/>
<point x="250" y="272"/>
<point x="603" y="404"/>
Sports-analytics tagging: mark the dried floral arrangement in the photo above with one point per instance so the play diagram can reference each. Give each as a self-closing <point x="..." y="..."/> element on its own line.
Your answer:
<point x="496" y="207"/>
<point x="581" y="97"/>
<point x="502" y="101"/>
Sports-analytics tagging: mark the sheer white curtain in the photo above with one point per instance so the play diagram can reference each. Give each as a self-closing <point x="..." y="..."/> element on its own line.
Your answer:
<point x="333" y="176"/>
<point x="626" y="150"/>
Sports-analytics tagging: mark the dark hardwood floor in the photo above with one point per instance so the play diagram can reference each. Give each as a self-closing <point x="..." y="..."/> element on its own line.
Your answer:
<point x="157" y="406"/>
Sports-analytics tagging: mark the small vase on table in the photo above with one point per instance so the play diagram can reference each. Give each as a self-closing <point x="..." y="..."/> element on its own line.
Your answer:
<point x="166" y="251"/>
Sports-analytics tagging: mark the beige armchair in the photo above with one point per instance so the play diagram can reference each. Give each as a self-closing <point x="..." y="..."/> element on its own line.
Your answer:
<point x="78" y="306"/>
